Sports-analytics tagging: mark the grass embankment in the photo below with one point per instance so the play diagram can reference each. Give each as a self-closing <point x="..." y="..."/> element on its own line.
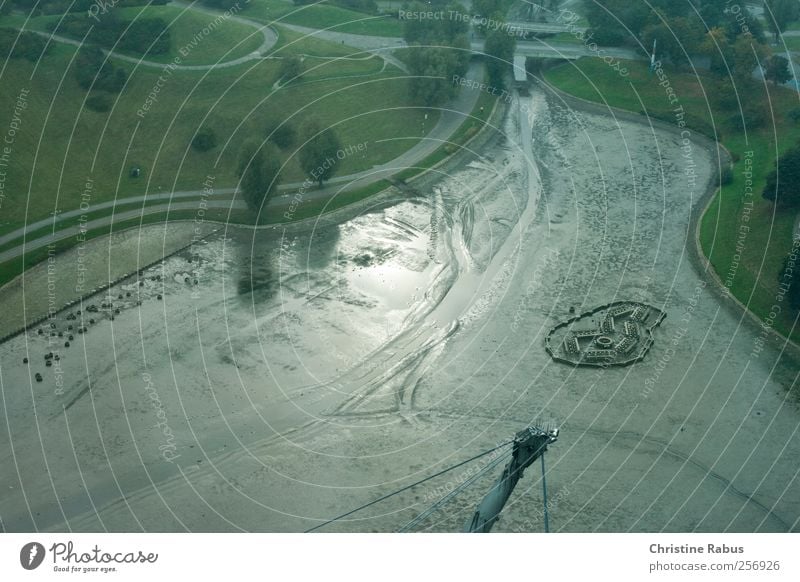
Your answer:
<point x="309" y="208"/>
<point x="60" y="144"/>
<point x="755" y="282"/>
<point x="323" y="16"/>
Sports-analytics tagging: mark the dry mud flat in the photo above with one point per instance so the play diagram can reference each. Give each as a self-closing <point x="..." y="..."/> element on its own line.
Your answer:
<point x="306" y="374"/>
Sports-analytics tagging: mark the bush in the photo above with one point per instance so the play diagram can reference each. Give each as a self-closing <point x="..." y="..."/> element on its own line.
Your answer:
<point x="794" y="114"/>
<point x="752" y="116"/>
<point x="92" y="71"/>
<point x="76" y="6"/>
<point x="142" y="36"/>
<point x="291" y="68"/>
<point x="99" y="102"/>
<point x="368" y="6"/>
<point x="693" y="122"/>
<point x="204" y="140"/>
<point x="783" y="182"/>
<point x="29" y="45"/>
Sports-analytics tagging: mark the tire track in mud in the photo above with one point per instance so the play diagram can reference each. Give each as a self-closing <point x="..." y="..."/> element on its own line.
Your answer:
<point x="455" y="289"/>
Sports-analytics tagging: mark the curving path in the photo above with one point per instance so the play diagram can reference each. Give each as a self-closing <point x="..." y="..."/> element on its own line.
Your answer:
<point x="449" y="121"/>
<point x="270" y="38"/>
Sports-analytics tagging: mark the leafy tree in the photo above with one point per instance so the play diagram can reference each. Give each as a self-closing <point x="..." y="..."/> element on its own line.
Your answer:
<point x="432" y="71"/>
<point x="783" y="182"/>
<point x="94" y="71"/>
<point x="777" y="70"/>
<point x="452" y="29"/>
<point x="204" y="140"/>
<point x="716" y="46"/>
<point x="747" y="54"/>
<point x="318" y="154"/>
<point x="486" y="7"/>
<point x="368" y="6"/>
<point x="790" y="275"/>
<point x="99" y="102"/>
<point x="753" y="114"/>
<point x="259" y="172"/>
<point x="143" y="35"/>
<point x="743" y="23"/>
<point x="499" y="49"/>
<point x="222" y="4"/>
<point x="712" y="12"/>
<point x="281" y="133"/>
<point x="434" y="32"/>
<point x="614" y="22"/>
<point x="439" y="51"/>
<point x="678" y="39"/>
<point x="26" y="45"/>
<point x="291" y="68"/>
<point x="779" y="13"/>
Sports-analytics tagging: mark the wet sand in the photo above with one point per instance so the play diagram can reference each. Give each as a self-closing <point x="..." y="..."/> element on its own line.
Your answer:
<point x="309" y="372"/>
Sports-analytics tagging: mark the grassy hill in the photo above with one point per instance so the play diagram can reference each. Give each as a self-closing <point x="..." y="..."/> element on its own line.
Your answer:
<point x="61" y="144"/>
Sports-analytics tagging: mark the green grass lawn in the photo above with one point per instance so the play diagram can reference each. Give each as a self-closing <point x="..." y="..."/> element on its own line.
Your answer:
<point x="323" y="16"/>
<point x="769" y="238"/>
<point x="228" y="41"/>
<point x="60" y="143"/>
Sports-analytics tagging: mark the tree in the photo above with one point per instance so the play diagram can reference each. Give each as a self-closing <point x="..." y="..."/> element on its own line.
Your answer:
<point x="99" y="102"/>
<point x="790" y="276"/>
<point x="715" y="45"/>
<point x="499" y="49"/>
<point x="486" y="7"/>
<point x="281" y="133"/>
<point x="779" y="13"/>
<point x="747" y="55"/>
<point x="204" y="140"/>
<point x="94" y="71"/>
<point x="432" y="71"/>
<point x="783" y="182"/>
<point x="678" y="39"/>
<point x="777" y="70"/>
<point x="752" y="116"/>
<point x="613" y="22"/>
<point x="435" y="32"/>
<point x="221" y="4"/>
<point x="318" y="155"/>
<point x="17" y="44"/>
<point x="291" y="68"/>
<point x="259" y="172"/>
